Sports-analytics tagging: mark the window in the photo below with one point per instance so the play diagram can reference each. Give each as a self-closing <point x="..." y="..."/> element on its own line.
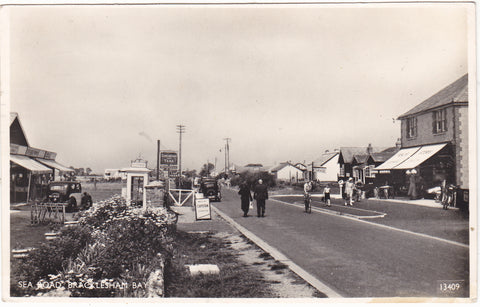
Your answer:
<point x="369" y="171"/>
<point x="411" y="127"/>
<point x="440" y="121"/>
<point x="342" y="170"/>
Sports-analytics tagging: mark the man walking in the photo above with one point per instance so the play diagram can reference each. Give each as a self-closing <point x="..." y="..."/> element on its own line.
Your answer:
<point x="260" y="195"/>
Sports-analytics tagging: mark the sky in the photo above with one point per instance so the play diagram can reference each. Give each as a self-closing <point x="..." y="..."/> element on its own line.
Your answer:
<point x="100" y="84"/>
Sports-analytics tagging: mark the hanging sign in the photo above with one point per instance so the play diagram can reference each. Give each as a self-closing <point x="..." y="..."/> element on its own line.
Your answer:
<point x="202" y="209"/>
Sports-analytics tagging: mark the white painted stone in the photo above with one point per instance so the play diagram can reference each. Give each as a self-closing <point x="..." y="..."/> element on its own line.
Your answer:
<point x="196" y="269"/>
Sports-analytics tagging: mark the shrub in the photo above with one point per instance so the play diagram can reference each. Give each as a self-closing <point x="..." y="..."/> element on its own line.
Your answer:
<point x="114" y="244"/>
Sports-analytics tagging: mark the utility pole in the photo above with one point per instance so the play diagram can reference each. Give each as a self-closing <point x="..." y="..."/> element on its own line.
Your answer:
<point x="227" y="155"/>
<point x="180" y="130"/>
<point x="158" y="159"/>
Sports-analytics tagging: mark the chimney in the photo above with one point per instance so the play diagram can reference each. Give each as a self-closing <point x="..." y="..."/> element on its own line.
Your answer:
<point x="398" y="143"/>
<point x="369" y="149"/>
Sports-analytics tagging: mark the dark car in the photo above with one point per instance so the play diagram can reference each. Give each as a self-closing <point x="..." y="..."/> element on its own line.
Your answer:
<point x="65" y="192"/>
<point x="210" y="189"/>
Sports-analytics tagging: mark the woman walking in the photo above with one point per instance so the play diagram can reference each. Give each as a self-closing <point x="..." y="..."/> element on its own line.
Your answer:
<point x="246" y="198"/>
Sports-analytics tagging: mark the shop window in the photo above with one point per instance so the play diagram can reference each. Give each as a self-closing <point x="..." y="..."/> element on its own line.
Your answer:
<point x="411" y="127"/>
<point x="440" y="121"/>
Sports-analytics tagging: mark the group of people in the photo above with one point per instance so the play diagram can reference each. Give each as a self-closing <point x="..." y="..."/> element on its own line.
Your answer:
<point x="260" y="194"/>
<point x="348" y="190"/>
<point x="308" y="187"/>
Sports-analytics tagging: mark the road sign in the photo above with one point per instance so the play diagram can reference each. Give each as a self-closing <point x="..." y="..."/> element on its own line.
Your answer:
<point x="168" y="157"/>
<point x="202" y="209"/>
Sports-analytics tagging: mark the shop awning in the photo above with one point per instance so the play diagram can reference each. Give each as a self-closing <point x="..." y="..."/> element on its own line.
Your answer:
<point x="424" y="153"/>
<point x="55" y="164"/>
<point x="409" y="158"/>
<point x="30" y="164"/>
<point x="398" y="158"/>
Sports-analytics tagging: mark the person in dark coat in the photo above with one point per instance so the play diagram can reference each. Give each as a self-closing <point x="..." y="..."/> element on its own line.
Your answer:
<point x="260" y="195"/>
<point x="246" y="198"/>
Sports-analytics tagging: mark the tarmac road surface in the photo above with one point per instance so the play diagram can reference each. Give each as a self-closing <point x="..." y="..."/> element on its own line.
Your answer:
<point x="358" y="258"/>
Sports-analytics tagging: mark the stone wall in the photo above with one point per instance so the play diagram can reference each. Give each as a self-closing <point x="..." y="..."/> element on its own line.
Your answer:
<point x="154" y="196"/>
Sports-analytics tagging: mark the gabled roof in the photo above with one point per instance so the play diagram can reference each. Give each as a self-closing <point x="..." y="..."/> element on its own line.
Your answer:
<point x="457" y="92"/>
<point x="283" y="165"/>
<point x="325" y="158"/>
<point x="360" y="158"/>
<point x="347" y="153"/>
<point x="13" y="116"/>
<point x="279" y="166"/>
<point x="381" y="156"/>
<point x="17" y="135"/>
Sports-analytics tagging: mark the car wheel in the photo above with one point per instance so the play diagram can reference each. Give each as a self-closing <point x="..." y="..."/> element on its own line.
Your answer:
<point x="72" y="205"/>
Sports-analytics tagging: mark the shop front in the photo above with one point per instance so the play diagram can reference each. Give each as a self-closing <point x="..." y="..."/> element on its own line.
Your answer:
<point x="28" y="179"/>
<point x="411" y="171"/>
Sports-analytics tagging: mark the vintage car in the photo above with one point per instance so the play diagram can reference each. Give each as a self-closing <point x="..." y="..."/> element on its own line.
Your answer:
<point x="69" y="192"/>
<point x="210" y="189"/>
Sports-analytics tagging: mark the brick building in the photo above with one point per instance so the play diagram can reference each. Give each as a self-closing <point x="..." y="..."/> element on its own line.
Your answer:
<point x="434" y="137"/>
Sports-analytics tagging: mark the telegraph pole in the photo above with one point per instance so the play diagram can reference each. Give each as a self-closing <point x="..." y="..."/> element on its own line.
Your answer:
<point x="158" y="159"/>
<point x="227" y="155"/>
<point x="180" y="131"/>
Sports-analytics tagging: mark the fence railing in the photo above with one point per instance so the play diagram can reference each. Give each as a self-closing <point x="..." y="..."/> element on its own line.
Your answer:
<point x="48" y="212"/>
<point x="187" y="194"/>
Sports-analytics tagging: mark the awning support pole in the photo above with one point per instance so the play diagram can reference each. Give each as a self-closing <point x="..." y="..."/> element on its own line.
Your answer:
<point x="29" y="184"/>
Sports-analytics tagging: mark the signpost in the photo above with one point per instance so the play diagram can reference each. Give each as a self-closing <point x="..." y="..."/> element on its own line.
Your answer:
<point x="168" y="157"/>
<point x="202" y="209"/>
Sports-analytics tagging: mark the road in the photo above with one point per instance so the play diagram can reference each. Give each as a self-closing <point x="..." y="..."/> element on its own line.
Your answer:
<point x="356" y="257"/>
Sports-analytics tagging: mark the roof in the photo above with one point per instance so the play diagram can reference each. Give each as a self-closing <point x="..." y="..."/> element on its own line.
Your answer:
<point x="348" y="153"/>
<point x="279" y="166"/>
<point x="457" y="92"/>
<point x="360" y="158"/>
<point x="381" y="156"/>
<point x="325" y="158"/>
<point x="13" y="115"/>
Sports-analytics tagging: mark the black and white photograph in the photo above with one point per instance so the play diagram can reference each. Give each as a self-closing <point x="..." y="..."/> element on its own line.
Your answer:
<point x="282" y="152"/>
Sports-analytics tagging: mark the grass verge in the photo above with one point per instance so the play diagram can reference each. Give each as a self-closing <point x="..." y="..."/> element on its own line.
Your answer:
<point x="235" y="279"/>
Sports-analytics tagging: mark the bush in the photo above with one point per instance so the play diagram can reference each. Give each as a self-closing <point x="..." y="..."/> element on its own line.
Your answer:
<point x="114" y="245"/>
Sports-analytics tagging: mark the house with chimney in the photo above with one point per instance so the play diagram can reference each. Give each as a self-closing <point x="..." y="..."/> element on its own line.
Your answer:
<point x="434" y="141"/>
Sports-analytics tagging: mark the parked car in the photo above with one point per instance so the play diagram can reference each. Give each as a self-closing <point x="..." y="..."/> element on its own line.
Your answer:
<point x="210" y="189"/>
<point x="69" y="192"/>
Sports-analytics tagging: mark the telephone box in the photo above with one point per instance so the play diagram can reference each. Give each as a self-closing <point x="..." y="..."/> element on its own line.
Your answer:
<point x="137" y="179"/>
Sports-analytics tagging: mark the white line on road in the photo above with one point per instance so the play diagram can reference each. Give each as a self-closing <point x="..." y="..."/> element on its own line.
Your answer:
<point x="354" y="218"/>
<point x="277" y="255"/>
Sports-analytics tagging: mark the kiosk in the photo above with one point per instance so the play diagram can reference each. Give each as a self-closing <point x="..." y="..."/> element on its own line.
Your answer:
<point x="137" y="179"/>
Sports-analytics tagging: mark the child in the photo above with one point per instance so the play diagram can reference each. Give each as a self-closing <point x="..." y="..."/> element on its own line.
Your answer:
<point x="326" y="193"/>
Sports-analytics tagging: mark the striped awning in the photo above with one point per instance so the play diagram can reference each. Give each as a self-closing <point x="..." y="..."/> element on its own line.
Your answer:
<point x="30" y="164"/>
<point x="54" y="164"/>
<point x="409" y="158"/>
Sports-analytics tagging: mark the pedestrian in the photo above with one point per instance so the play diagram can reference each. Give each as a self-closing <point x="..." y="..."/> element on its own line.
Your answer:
<point x="86" y="201"/>
<point x="260" y="195"/>
<point x="349" y="185"/>
<point x="326" y="195"/>
<point x="246" y="198"/>
<point x="412" y="187"/>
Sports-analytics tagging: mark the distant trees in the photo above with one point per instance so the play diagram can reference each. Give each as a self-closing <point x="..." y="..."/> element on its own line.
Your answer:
<point x="206" y="169"/>
<point x="82" y="171"/>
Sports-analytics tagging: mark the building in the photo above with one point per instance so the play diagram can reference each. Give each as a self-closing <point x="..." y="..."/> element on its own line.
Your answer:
<point x="286" y="171"/>
<point x="352" y="161"/>
<point x="31" y="169"/>
<point x="326" y="168"/>
<point x="434" y="140"/>
<point x="114" y="174"/>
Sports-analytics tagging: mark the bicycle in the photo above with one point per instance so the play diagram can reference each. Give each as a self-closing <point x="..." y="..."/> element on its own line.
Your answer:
<point x="308" y="202"/>
<point x="449" y="197"/>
